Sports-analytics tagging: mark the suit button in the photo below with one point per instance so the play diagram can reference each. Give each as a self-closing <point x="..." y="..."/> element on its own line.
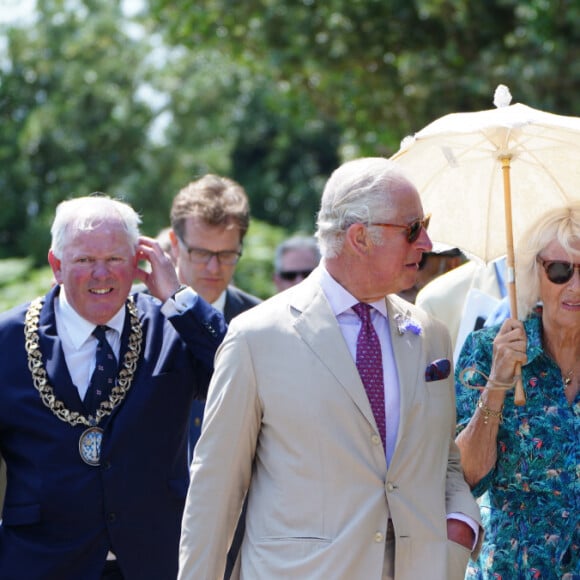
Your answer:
<point x="379" y="537"/>
<point x="390" y="487"/>
<point x="376" y="440"/>
<point x="111" y="517"/>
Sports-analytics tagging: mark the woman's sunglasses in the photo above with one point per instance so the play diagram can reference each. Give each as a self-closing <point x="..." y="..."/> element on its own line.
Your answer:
<point x="413" y="231"/>
<point x="557" y="271"/>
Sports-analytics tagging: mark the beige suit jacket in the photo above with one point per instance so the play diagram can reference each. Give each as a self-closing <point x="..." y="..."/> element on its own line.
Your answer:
<point x="288" y="420"/>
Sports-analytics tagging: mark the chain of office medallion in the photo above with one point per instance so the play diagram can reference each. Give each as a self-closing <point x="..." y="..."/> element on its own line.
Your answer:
<point x="40" y="377"/>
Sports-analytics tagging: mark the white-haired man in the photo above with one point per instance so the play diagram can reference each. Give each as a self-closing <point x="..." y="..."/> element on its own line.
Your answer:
<point x="332" y="407"/>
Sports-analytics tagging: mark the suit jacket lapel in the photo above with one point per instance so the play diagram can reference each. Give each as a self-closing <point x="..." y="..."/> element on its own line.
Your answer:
<point x="53" y="356"/>
<point x="318" y="327"/>
<point x="407" y="350"/>
<point x="231" y="306"/>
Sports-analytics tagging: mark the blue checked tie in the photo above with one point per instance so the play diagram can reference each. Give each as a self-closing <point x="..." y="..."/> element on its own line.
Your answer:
<point x="369" y="362"/>
<point x="105" y="372"/>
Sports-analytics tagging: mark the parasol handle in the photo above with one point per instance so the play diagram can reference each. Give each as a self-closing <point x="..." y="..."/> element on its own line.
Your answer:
<point x="519" y="394"/>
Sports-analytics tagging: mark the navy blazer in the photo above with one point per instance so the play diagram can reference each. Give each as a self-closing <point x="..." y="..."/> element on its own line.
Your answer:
<point x="237" y="301"/>
<point x="61" y="516"/>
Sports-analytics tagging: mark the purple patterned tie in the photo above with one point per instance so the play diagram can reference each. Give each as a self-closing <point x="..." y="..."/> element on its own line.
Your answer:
<point x="104" y="374"/>
<point x="369" y="362"/>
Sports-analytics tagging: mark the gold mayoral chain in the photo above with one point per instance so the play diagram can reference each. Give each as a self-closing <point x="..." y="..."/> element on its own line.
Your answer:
<point x="90" y="440"/>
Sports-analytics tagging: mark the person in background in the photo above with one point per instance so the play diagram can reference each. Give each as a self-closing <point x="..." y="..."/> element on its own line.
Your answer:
<point x="95" y="391"/>
<point x="318" y="413"/>
<point x="294" y="260"/>
<point x="525" y="460"/>
<point x="464" y="297"/>
<point x="209" y="219"/>
<point x="432" y="265"/>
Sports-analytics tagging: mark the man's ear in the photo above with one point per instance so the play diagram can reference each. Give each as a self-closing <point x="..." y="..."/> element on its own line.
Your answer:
<point x="55" y="264"/>
<point x="173" y="239"/>
<point x="358" y="239"/>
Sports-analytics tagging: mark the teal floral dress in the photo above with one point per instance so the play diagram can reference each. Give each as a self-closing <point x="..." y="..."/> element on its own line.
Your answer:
<point x="530" y="501"/>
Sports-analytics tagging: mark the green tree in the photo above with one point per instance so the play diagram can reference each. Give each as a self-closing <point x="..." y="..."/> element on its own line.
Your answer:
<point x="382" y="69"/>
<point x="72" y="119"/>
<point x="284" y="152"/>
<point x="224" y="117"/>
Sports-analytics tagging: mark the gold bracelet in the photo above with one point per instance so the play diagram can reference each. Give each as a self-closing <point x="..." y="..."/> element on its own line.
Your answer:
<point x="487" y="412"/>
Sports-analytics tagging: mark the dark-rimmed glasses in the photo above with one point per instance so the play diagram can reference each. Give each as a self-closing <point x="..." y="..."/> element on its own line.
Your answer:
<point x="412" y="231"/>
<point x="291" y="275"/>
<point x="203" y="256"/>
<point x="558" y="271"/>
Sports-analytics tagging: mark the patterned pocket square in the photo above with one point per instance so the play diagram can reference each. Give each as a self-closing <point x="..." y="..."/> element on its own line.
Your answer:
<point x="438" y="370"/>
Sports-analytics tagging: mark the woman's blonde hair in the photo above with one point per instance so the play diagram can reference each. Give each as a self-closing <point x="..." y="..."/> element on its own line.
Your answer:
<point x="561" y="225"/>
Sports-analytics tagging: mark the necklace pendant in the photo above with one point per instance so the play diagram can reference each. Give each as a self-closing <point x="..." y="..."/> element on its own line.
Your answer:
<point x="90" y="446"/>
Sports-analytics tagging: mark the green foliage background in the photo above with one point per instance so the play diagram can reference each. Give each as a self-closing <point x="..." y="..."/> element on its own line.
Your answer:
<point x="274" y="93"/>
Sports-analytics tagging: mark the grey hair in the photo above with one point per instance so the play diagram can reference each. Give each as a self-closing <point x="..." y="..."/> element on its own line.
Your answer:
<point x="297" y="242"/>
<point x="561" y="225"/>
<point x="351" y="195"/>
<point x="87" y="213"/>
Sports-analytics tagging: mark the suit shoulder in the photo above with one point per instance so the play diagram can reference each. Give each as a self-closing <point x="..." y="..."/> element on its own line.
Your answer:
<point x="245" y="297"/>
<point x="13" y="318"/>
<point x="147" y="303"/>
<point x="264" y="314"/>
<point x="448" y="283"/>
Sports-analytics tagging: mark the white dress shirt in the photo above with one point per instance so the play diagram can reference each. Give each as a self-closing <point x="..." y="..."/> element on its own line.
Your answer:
<point x="78" y="343"/>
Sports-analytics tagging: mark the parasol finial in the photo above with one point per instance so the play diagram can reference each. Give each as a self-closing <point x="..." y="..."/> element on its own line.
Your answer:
<point x="407" y="142"/>
<point x="502" y="96"/>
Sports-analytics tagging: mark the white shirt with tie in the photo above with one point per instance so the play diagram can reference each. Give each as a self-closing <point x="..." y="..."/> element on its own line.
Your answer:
<point x="341" y="302"/>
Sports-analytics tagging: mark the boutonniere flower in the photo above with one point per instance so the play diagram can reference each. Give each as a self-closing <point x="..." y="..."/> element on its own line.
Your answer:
<point x="406" y="324"/>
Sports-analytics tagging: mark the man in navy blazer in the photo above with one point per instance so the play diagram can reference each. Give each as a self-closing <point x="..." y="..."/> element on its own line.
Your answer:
<point x="99" y="493"/>
<point x="209" y="220"/>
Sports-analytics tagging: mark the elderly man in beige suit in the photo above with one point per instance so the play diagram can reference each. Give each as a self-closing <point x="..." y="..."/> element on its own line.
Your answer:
<point x="338" y="487"/>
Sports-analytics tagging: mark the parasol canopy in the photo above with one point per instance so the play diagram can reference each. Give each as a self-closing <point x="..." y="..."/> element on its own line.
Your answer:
<point x="456" y="164"/>
<point x="486" y="176"/>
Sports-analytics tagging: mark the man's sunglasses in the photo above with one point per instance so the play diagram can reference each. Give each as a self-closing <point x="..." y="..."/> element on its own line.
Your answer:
<point x="291" y="275"/>
<point x="412" y="231"/>
<point x="557" y="271"/>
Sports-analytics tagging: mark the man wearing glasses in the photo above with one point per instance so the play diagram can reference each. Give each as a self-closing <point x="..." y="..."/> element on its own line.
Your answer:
<point x="332" y="410"/>
<point x="294" y="260"/>
<point x="209" y="219"/>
